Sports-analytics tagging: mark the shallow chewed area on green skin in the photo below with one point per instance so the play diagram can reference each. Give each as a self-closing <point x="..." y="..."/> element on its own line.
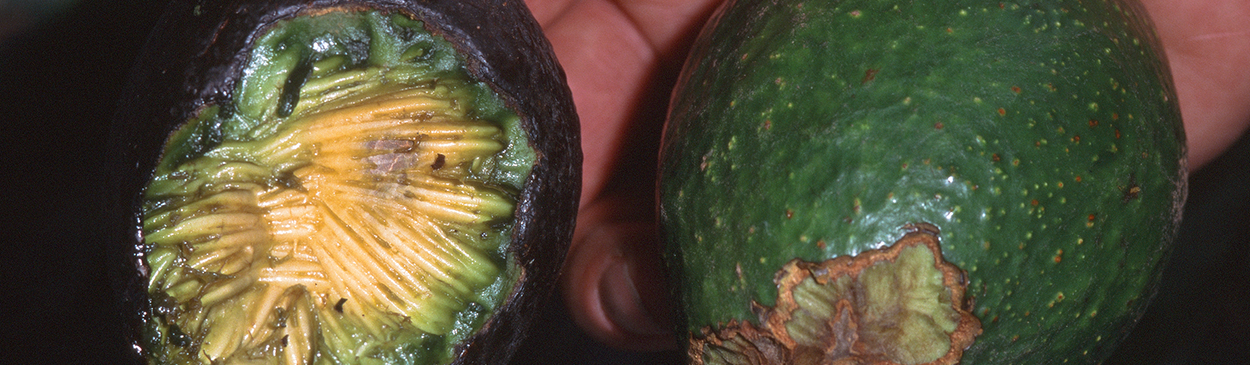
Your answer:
<point x="352" y="206"/>
<point x="889" y="306"/>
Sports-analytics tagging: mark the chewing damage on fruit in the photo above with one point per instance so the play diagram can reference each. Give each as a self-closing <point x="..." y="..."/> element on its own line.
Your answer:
<point x="255" y="260"/>
<point x="901" y="304"/>
<point x="365" y="215"/>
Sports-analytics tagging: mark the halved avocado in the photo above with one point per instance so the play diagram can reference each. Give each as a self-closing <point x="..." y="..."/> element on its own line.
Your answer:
<point x="342" y="182"/>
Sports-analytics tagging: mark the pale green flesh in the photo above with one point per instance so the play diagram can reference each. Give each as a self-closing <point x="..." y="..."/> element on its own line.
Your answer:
<point x="366" y="221"/>
<point x="902" y="306"/>
<point x="890" y="308"/>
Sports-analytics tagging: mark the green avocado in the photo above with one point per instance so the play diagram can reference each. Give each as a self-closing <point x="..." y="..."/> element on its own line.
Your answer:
<point x="919" y="181"/>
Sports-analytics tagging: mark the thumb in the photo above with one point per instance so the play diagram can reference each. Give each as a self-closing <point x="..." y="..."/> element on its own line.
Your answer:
<point x="613" y="279"/>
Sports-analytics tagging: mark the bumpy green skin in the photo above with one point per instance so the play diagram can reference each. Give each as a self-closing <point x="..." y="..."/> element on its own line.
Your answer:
<point x="1042" y="138"/>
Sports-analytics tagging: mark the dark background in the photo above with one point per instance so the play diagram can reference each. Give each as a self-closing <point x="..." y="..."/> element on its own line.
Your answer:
<point x="62" y="65"/>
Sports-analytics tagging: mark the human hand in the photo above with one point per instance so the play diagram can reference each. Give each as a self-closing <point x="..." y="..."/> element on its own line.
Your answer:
<point x="621" y="58"/>
<point x="1208" y="47"/>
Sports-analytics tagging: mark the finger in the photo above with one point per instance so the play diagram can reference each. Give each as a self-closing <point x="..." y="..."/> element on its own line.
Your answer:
<point x="614" y="284"/>
<point x="611" y="281"/>
<point x="545" y="11"/>
<point x="620" y="59"/>
<point x="1208" y="46"/>
<point x="606" y="64"/>
<point x="668" y="25"/>
<point x="616" y="56"/>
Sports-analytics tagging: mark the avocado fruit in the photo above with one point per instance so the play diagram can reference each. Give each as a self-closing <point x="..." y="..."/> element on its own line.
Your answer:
<point x="341" y="181"/>
<point x="907" y="182"/>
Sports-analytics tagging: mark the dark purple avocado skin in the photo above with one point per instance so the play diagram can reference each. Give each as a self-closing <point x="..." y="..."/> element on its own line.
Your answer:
<point x="195" y="55"/>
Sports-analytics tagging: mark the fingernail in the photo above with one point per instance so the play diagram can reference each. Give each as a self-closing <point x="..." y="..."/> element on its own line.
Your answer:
<point x="622" y="303"/>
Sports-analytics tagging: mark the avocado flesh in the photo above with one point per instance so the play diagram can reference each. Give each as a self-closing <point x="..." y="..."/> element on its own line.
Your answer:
<point x="897" y="304"/>
<point x="353" y="205"/>
<point x="1042" y="138"/>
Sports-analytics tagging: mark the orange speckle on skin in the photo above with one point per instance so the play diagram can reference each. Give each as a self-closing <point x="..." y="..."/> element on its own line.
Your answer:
<point x="789" y="214"/>
<point x="1034" y="202"/>
<point x="1002" y="111"/>
<point x="1059" y="256"/>
<point x="820" y="244"/>
<point x="938" y="125"/>
<point x="1015" y="89"/>
<point x="1093" y="123"/>
<point x="869" y="75"/>
<point x="1078" y="178"/>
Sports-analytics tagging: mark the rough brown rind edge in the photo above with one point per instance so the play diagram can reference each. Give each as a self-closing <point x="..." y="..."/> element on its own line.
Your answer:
<point x="771" y="343"/>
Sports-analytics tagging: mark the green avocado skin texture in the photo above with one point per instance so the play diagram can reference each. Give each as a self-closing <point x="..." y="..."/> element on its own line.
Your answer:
<point x="1042" y="138"/>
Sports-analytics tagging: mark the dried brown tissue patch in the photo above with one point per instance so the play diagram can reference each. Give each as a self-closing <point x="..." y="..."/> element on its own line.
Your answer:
<point x="817" y="318"/>
<point x="869" y="75"/>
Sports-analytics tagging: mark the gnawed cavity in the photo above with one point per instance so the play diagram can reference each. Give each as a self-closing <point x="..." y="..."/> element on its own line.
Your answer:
<point x="901" y="304"/>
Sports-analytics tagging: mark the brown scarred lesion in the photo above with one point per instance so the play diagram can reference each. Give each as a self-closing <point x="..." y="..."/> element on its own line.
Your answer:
<point x="901" y="304"/>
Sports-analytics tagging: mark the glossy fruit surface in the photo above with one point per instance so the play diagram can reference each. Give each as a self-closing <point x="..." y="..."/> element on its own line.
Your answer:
<point x="343" y="182"/>
<point x="1039" y="142"/>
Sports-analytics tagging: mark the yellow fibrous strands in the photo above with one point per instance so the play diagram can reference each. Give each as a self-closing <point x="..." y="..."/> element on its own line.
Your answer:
<point x="347" y="225"/>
